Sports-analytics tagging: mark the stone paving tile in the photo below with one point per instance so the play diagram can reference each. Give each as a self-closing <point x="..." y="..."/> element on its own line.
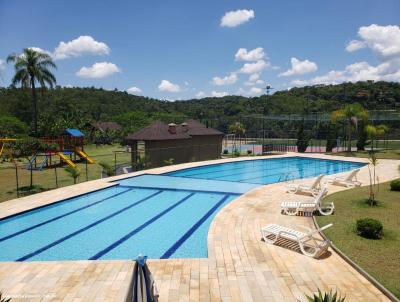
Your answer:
<point x="239" y="267"/>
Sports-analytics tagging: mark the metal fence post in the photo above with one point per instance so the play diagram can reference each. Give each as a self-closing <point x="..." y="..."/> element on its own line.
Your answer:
<point x="55" y="172"/>
<point x="115" y="163"/>
<point x="86" y="167"/>
<point x="16" y="178"/>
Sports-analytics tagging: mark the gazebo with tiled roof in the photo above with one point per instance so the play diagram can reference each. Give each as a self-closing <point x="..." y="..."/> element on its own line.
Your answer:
<point x="189" y="141"/>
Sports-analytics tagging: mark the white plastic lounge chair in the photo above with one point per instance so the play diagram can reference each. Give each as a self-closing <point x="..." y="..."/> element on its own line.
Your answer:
<point x="313" y="189"/>
<point x="310" y="245"/>
<point x="295" y="207"/>
<point x="349" y="181"/>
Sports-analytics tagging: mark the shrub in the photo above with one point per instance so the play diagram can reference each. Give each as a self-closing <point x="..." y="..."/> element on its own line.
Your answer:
<point x="302" y="140"/>
<point x="28" y="190"/>
<point x="369" y="228"/>
<point x="225" y="151"/>
<point x="107" y="168"/>
<point x="236" y="153"/>
<point x="395" y="185"/>
<point x="326" y="297"/>
<point x="249" y="151"/>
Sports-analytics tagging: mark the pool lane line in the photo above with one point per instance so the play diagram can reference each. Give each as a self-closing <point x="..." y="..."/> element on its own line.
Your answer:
<point x="259" y="168"/>
<point x="169" y="252"/>
<point x="304" y="170"/>
<point x="139" y="228"/>
<point x="263" y="162"/>
<point x="60" y="216"/>
<point x="58" y="241"/>
<point x="186" y="190"/>
<point x="260" y="171"/>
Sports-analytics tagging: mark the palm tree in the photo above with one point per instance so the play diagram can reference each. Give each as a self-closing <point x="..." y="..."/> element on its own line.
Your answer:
<point x="32" y="67"/>
<point x="237" y="128"/>
<point x="374" y="132"/>
<point x="350" y="114"/>
<point x="73" y="172"/>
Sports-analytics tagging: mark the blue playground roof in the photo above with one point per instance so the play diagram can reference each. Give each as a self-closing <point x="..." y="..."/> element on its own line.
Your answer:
<point x="74" y="132"/>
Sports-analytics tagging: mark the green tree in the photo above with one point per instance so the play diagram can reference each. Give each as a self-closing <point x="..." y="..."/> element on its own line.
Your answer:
<point x="237" y="128"/>
<point x="33" y="67"/>
<point x="373" y="179"/>
<point x="10" y="126"/>
<point x="375" y="132"/>
<point x="350" y="114"/>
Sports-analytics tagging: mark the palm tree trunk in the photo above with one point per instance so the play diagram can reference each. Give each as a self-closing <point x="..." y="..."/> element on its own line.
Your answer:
<point x="349" y="136"/>
<point x="34" y="100"/>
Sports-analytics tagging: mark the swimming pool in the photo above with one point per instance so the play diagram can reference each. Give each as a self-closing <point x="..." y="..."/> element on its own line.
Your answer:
<point x="161" y="216"/>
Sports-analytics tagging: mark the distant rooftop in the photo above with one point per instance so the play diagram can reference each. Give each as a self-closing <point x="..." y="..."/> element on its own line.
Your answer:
<point x="162" y="131"/>
<point x="104" y="126"/>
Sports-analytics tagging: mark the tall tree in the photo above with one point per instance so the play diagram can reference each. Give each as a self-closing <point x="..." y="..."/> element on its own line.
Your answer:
<point x="350" y="114"/>
<point x="33" y="67"/>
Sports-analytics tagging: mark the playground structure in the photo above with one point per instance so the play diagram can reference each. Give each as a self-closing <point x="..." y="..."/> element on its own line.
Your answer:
<point x="68" y="149"/>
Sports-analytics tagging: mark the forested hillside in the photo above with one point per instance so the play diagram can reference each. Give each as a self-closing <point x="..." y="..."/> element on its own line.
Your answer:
<point x="78" y="107"/>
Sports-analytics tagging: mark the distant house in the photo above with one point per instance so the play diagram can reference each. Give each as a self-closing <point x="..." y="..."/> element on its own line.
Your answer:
<point x="189" y="141"/>
<point x="104" y="132"/>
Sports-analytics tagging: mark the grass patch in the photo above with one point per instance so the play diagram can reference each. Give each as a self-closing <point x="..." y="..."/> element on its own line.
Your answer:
<point x="380" y="258"/>
<point x="389" y="154"/>
<point x="45" y="179"/>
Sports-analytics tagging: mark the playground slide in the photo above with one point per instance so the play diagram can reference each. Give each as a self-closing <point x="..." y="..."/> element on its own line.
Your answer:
<point x="66" y="159"/>
<point x="85" y="156"/>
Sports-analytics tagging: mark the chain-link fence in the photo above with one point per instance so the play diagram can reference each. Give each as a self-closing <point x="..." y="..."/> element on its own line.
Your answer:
<point x="24" y="176"/>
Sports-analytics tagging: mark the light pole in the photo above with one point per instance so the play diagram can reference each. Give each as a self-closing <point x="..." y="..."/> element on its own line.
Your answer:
<point x="268" y="88"/>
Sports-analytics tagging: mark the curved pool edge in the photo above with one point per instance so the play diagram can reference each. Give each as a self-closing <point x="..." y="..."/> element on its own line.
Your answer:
<point x="252" y="277"/>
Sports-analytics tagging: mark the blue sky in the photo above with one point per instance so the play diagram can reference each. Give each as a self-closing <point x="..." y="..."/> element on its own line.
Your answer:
<point x="183" y="49"/>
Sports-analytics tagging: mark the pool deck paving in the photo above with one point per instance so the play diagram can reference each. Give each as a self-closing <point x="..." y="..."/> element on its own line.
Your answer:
<point x="239" y="267"/>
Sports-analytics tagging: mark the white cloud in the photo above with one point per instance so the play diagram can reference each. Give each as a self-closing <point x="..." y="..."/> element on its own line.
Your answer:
<point x="253" y="91"/>
<point x="299" y="67"/>
<point x="2" y="65"/>
<point x="200" y="95"/>
<point x="166" y="85"/>
<point x="237" y="17"/>
<point x="383" y="40"/>
<point x="355" y="45"/>
<point x="80" y="46"/>
<point x="254" y="79"/>
<point x="98" y="70"/>
<point x="360" y="71"/>
<point x="228" y="80"/>
<point x="134" y="90"/>
<point x="254" y="67"/>
<point x="255" y="54"/>
<point x="219" y="94"/>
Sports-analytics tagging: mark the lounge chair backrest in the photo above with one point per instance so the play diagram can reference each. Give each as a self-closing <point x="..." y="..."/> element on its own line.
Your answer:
<point x="321" y="195"/>
<point x="352" y="174"/>
<point x="317" y="181"/>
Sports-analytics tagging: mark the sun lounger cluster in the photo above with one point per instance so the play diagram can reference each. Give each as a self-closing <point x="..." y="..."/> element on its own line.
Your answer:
<point x="309" y="241"/>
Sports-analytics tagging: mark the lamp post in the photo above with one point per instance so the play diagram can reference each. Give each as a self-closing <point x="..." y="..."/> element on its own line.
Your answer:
<point x="267" y="88"/>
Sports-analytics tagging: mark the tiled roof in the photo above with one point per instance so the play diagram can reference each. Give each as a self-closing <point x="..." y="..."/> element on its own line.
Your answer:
<point x="161" y="131"/>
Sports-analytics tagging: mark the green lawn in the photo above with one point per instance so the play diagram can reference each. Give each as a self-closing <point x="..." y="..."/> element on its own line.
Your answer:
<point x="46" y="177"/>
<point x="390" y="154"/>
<point x="380" y="258"/>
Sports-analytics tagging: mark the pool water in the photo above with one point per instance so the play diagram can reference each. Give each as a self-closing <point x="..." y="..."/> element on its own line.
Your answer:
<point x="161" y="216"/>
